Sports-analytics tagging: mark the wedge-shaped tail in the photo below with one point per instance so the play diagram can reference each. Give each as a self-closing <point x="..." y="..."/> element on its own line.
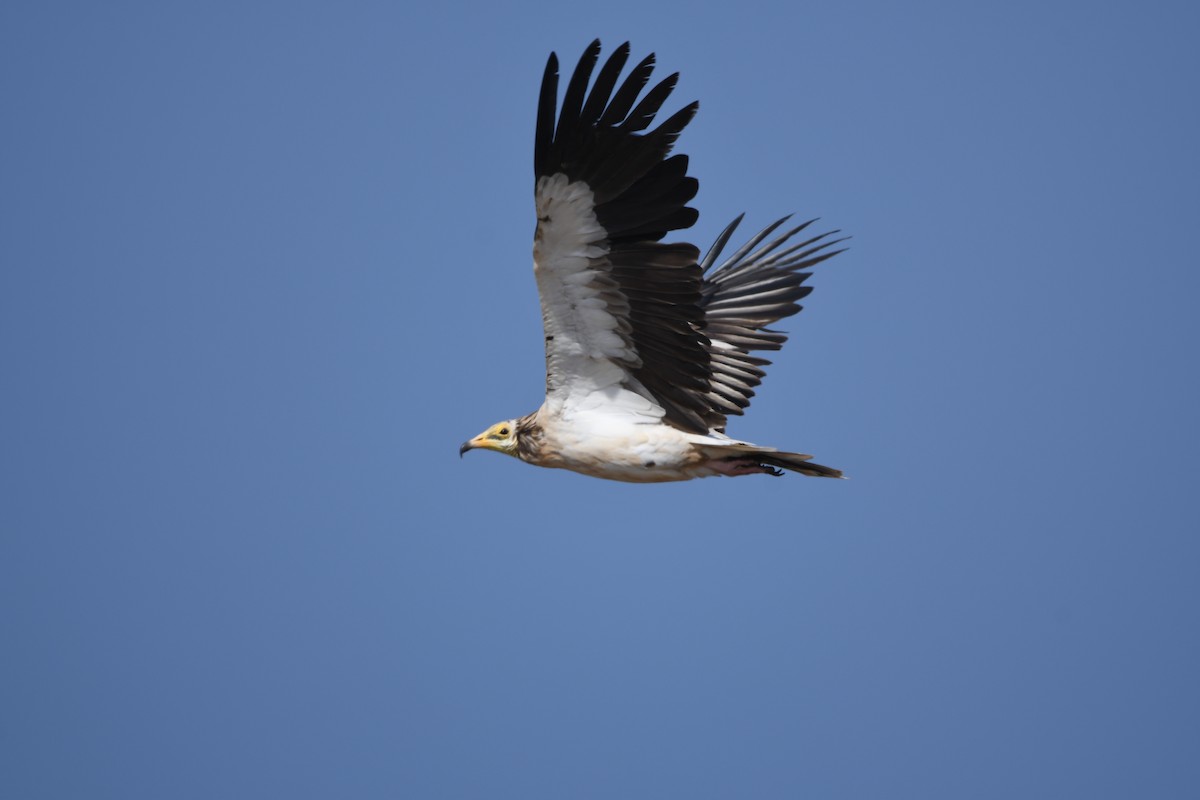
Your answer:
<point x="744" y="458"/>
<point x="798" y="462"/>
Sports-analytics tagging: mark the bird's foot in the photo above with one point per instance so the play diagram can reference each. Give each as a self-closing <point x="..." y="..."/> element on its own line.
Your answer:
<point x="736" y="466"/>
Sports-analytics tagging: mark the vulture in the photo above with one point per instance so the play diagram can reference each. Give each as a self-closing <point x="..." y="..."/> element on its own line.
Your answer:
<point x="649" y="347"/>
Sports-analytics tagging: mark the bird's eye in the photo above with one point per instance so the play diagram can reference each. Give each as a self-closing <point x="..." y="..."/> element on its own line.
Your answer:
<point x="503" y="431"/>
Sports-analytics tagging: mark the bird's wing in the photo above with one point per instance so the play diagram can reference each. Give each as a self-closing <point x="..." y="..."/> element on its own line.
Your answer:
<point x="750" y="290"/>
<point x="621" y="310"/>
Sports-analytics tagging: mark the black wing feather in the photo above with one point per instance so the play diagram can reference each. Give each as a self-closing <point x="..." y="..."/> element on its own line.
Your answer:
<point x="747" y="292"/>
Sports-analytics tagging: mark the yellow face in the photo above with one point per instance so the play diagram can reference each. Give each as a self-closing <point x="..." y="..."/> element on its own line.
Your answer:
<point x="501" y="437"/>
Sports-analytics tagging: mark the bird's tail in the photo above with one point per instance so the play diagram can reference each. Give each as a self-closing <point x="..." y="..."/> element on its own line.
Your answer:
<point x="767" y="457"/>
<point x="798" y="462"/>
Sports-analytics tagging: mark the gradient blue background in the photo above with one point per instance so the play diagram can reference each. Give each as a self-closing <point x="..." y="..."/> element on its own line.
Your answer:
<point x="265" y="266"/>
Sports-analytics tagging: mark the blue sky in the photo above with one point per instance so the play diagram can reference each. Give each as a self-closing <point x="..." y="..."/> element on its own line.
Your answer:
<point x="264" y="266"/>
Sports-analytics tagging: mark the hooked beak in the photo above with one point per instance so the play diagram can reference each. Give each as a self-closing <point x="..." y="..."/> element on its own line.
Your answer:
<point x="471" y="444"/>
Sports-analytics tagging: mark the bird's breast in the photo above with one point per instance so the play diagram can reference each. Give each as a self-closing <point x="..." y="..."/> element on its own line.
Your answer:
<point x="639" y="452"/>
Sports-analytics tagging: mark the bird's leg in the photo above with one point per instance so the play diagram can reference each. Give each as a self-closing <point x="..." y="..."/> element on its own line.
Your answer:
<point x="740" y="465"/>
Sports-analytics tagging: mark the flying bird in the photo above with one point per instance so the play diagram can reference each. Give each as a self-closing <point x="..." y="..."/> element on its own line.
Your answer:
<point x="649" y="348"/>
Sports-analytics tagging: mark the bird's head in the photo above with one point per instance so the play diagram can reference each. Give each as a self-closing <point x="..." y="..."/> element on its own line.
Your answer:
<point x="501" y="437"/>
